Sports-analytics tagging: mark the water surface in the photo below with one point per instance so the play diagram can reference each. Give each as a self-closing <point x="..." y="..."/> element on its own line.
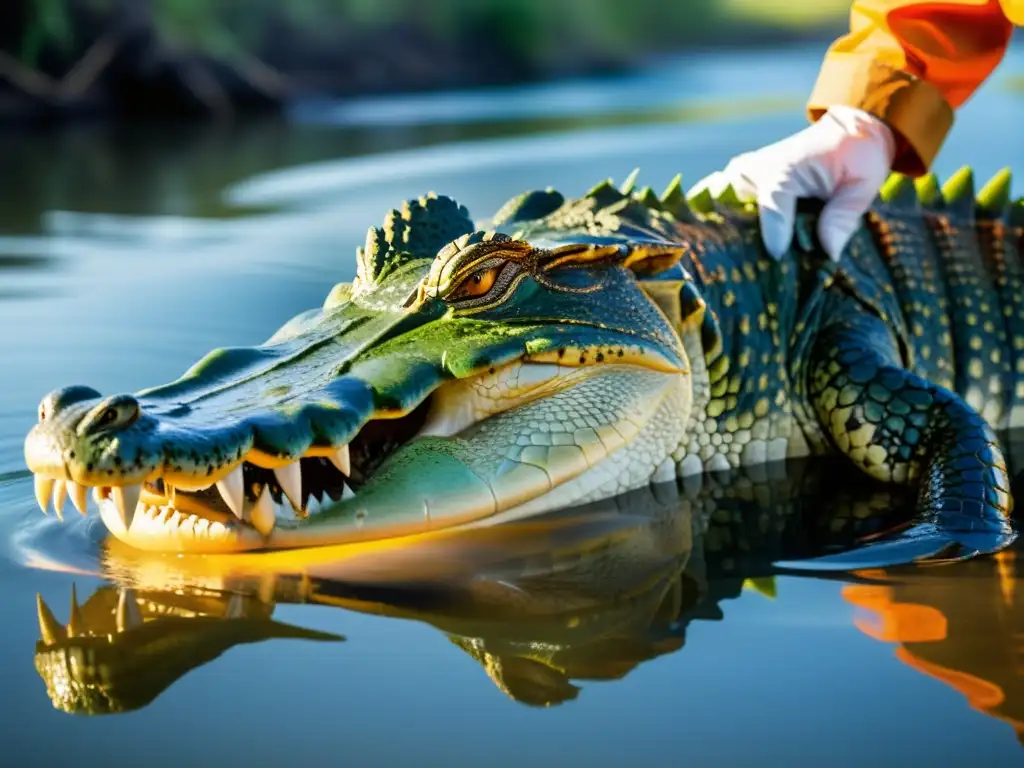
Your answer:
<point x="650" y="631"/>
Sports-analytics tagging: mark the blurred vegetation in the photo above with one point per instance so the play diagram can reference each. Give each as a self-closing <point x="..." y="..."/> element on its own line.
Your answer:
<point x="788" y="14"/>
<point x="217" y="55"/>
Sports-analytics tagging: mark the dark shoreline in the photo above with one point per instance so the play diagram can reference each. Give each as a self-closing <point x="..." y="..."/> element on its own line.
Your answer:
<point x="135" y="80"/>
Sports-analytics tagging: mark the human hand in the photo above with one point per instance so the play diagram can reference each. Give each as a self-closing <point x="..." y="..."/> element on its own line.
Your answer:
<point x="843" y="158"/>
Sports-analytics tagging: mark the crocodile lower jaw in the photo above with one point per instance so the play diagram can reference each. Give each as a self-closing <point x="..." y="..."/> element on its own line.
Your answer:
<point x="164" y="520"/>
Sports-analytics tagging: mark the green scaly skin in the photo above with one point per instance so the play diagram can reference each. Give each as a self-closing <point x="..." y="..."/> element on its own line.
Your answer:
<point x="580" y="349"/>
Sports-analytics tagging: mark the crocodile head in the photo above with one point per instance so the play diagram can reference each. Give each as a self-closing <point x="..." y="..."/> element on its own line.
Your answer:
<point x="462" y="376"/>
<point x="122" y="648"/>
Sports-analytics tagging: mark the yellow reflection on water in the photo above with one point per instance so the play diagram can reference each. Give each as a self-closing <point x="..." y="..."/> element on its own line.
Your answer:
<point x="545" y="604"/>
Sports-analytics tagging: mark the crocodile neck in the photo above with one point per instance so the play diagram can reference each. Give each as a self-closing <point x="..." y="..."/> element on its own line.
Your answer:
<point x="737" y="313"/>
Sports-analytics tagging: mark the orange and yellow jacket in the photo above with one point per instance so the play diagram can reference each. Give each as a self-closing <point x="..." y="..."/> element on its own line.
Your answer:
<point x="911" y="63"/>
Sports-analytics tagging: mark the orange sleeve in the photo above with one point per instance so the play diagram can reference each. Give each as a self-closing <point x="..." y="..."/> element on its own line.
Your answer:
<point x="911" y="64"/>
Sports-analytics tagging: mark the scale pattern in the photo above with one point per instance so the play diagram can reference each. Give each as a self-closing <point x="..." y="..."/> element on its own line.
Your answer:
<point x="907" y="356"/>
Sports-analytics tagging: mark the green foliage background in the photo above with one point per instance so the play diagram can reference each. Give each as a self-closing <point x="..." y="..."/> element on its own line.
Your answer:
<point x="543" y="32"/>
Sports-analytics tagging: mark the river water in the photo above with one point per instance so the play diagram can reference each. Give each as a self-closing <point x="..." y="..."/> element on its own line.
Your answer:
<point x="126" y="253"/>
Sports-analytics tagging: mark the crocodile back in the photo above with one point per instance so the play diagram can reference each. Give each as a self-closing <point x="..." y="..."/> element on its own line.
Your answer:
<point x="953" y="264"/>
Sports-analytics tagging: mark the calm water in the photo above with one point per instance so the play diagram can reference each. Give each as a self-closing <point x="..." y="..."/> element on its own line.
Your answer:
<point x="647" y="630"/>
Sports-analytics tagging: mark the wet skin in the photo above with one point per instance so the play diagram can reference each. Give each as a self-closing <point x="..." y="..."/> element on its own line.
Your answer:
<point x="578" y="350"/>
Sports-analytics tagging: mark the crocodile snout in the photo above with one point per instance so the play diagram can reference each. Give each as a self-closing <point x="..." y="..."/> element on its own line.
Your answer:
<point x="83" y="439"/>
<point x="51" y="443"/>
<point x="84" y="411"/>
<point x="88" y="438"/>
<point x="73" y="423"/>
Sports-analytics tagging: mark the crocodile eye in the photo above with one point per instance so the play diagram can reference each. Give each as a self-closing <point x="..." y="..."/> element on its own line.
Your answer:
<point x="119" y="415"/>
<point x="476" y="284"/>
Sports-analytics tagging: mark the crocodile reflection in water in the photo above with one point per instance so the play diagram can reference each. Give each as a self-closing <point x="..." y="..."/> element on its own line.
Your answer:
<point x="123" y="648"/>
<point x="547" y="605"/>
<point x="586" y="594"/>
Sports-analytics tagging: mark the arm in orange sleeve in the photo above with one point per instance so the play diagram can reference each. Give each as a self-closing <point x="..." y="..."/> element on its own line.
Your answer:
<point x="911" y="63"/>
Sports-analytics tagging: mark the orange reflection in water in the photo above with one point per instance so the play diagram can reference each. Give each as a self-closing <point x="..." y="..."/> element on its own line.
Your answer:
<point x="962" y="625"/>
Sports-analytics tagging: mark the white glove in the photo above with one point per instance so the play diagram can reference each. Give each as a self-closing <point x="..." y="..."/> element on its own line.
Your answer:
<point x="843" y="158"/>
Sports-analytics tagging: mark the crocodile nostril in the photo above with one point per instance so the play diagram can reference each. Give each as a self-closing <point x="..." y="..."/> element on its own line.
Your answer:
<point x="59" y="399"/>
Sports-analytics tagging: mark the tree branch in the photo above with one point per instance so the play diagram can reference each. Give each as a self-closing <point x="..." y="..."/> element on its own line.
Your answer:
<point x="27" y="80"/>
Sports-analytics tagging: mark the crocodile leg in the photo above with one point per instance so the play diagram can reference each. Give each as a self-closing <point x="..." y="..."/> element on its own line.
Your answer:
<point x="898" y="427"/>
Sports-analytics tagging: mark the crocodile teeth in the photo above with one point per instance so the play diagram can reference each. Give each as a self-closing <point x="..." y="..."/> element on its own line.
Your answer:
<point x="44" y="491"/>
<point x="50" y="629"/>
<point x="232" y="490"/>
<point x="289" y="477"/>
<point x="126" y="499"/>
<point x="128" y="614"/>
<point x="235" y="606"/>
<point x="76" y="624"/>
<point x="346" y="492"/>
<point x="79" y="495"/>
<point x="60" y="495"/>
<point x="340" y="459"/>
<point x="263" y="515"/>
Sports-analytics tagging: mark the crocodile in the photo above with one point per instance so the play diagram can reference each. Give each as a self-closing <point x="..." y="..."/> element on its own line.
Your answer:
<point x="572" y="349"/>
<point x="573" y="596"/>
